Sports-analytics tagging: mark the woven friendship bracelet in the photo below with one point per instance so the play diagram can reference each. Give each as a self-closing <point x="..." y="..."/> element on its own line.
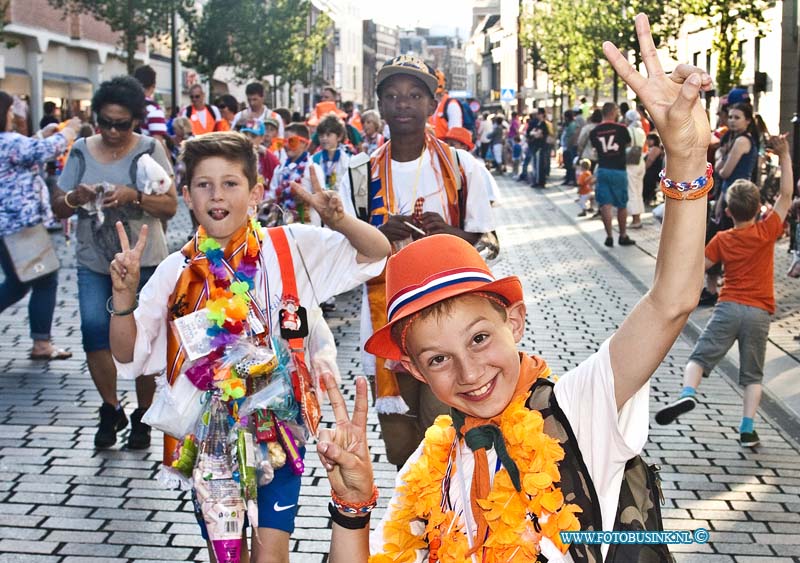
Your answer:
<point x="687" y="190"/>
<point x="358" y="508"/>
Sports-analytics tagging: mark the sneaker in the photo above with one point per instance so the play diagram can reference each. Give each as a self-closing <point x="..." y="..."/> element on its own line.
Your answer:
<point x="668" y="414"/>
<point x="749" y="439"/>
<point x="112" y="421"/>
<point x="626" y="241"/>
<point x="582" y="213"/>
<point x="609" y="242"/>
<point x="139" y="438"/>
<point x="707" y="298"/>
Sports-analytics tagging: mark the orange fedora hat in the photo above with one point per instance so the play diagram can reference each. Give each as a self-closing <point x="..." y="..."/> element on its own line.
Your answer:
<point x="461" y="135"/>
<point x="430" y="270"/>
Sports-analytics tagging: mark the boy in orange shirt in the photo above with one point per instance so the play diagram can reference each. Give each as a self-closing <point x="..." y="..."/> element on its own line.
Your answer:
<point x="585" y="187"/>
<point x="747" y="298"/>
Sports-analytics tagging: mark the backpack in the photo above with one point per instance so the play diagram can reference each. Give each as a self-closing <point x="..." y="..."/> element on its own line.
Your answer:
<point x="467" y="116"/>
<point x="640" y="497"/>
<point x="633" y="154"/>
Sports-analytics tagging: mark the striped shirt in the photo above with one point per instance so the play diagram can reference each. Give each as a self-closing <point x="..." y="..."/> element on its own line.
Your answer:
<point x="154" y="122"/>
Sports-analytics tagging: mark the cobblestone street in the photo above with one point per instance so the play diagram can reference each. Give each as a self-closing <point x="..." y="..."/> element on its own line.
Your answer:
<point x="63" y="502"/>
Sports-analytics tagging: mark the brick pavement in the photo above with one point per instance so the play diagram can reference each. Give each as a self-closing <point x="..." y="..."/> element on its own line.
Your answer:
<point x="61" y="501"/>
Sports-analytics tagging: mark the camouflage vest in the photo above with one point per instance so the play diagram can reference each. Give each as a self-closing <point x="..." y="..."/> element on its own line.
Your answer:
<point x="639" y="499"/>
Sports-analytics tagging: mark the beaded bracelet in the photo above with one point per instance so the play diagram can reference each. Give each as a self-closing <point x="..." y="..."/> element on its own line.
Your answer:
<point x="358" y="508"/>
<point x="687" y="190"/>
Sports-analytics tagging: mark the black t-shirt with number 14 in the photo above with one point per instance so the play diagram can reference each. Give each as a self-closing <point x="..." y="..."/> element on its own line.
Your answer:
<point x="610" y="140"/>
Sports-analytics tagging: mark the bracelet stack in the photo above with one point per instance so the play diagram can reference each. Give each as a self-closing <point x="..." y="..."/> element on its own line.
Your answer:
<point x="126" y="312"/>
<point x="360" y="511"/>
<point x="687" y="190"/>
<point x="67" y="203"/>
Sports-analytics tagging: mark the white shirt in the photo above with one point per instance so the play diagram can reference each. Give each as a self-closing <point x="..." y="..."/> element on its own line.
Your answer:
<point x="607" y="440"/>
<point x="305" y="182"/>
<point x="454" y="116"/>
<point x="341" y="168"/>
<point x="265" y="113"/>
<point x="478" y="219"/>
<point x="325" y="265"/>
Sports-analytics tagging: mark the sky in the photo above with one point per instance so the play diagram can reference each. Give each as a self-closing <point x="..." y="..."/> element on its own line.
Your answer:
<point x="443" y="16"/>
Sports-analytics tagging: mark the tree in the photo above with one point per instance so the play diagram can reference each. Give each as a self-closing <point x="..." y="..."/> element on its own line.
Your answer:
<point x="726" y="16"/>
<point x="213" y="32"/>
<point x="134" y="20"/>
<point x="280" y="42"/>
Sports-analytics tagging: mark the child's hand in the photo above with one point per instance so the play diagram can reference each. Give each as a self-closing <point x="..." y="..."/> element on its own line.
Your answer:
<point x="673" y="101"/>
<point x="343" y="450"/>
<point x="125" y="266"/>
<point x="326" y="202"/>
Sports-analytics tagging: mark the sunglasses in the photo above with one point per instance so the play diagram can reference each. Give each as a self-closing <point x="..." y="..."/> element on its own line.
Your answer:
<point x="296" y="142"/>
<point x="196" y="97"/>
<point x="104" y="123"/>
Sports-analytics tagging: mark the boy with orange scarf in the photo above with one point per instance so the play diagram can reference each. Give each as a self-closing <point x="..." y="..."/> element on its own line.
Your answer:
<point x="418" y="186"/>
<point x="522" y="459"/>
<point x="255" y="279"/>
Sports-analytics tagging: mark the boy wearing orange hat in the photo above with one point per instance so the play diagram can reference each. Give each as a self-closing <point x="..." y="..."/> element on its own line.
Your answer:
<point x="522" y="459"/>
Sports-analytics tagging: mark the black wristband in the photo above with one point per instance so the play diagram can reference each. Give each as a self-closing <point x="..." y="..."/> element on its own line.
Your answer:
<point x="348" y="522"/>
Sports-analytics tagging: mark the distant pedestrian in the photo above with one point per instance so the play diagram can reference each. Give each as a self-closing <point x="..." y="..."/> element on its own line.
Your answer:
<point x="586" y="183"/>
<point x="653" y="162"/>
<point x="154" y="123"/>
<point x="49" y="115"/>
<point x="747" y="299"/>
<point x="516" y="154"/>
<point x="635" y="168"/>
<point x="497" y="141"/>
<point x="610" y="138"/>
<point x="24" y="207"/>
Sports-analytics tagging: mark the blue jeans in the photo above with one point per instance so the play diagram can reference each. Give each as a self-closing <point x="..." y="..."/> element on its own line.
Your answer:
<point x="43" y="299"/>
<point x="94" y="291"/>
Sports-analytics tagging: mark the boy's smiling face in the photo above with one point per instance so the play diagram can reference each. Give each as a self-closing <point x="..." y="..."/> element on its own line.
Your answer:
<point x="328" y="141"/>
<point x="468" y="354"/>
<point x="220" y="196"/>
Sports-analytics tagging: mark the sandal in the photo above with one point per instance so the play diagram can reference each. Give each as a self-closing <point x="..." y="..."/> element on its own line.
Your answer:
<point x="56" y="354"/>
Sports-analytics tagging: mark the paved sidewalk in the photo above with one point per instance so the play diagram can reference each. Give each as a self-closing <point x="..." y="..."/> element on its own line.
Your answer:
<point x="61" y="501"/>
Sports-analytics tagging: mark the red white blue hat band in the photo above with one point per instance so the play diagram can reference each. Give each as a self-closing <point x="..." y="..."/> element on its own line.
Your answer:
<point x="435" y="283"/>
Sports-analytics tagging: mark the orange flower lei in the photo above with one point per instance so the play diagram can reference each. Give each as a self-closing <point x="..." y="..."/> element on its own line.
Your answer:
<point x="418" y="522"/>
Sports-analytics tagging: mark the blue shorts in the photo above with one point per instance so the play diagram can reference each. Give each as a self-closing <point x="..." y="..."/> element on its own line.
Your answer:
<point x="94" y="291"/>
<point x="277" y="502"/>
<point x="611" y="188"/>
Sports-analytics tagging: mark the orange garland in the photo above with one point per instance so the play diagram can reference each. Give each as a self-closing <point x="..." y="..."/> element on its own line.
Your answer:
<point x="417" y="521"/>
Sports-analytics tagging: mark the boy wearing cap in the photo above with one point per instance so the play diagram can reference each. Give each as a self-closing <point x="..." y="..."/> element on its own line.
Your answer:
<point x="418" y="186"/>
<point x="502" y="478"/>
<point x="267" y="162"/>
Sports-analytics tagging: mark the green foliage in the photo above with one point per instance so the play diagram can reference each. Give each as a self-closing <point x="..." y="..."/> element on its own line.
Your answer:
<point x="280" y="42"/>
<point x="133" y="19"/>
<point x="727" y="17"/>
<point x="566" y="39"/>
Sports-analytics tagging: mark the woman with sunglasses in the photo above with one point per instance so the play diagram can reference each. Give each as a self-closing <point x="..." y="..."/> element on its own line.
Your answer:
<point x="24" y="206"/>
<point x="99" y="184"/>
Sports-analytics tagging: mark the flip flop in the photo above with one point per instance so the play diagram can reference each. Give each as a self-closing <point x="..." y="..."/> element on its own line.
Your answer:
<point x="56" y="354"/>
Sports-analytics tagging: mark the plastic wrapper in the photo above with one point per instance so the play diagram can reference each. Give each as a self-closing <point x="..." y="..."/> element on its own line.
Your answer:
<point x="293" y="457"/>
<point x="176" y="408"/>
<point x="275" y="396"/>
<point x="246" y="469"/>
<point x="277" y="455"/>
<point x="151" y="178"/>
<point x="218" y="494"/>
<point x="265" y="473"/>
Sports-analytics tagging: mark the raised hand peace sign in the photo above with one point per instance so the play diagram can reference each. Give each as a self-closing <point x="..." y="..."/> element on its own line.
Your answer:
<point x="673" y="101"/>
<point x="343" y="449"/>
<point x="326" y="202"/>
<point x="126" y="263"/>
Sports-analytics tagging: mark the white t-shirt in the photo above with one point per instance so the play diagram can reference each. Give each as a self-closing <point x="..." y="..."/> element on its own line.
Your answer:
<point x="607" y="440"/>
<point x="265" y="113"/>
<point x="454" y="116"/>
<point x="305" y="182"/>
<point x="341" y="169"/>
<point x="325" y="265"/>
<point x="478" y="219"/>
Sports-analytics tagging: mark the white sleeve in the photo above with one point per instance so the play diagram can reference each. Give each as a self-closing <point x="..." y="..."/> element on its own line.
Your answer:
<point x="454" y="116"/>
<point x="150" y="348"/>
<point x="321" y="349"/>
<point x="272" y="189"/>
<point x="607" y="438"/>
<point x="329" y="260"/>
<point x="312" y="168"/>
<point x="479" y="217"/>
<point x="279" y="119"/>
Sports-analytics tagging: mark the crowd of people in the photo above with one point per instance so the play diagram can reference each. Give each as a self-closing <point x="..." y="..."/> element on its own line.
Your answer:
<point x="291" y="210"/>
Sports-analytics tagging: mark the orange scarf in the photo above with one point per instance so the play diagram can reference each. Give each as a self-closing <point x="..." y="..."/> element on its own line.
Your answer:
<point x="189" y="296"/>
<point x="389" y="400"/>
<point x="531" y="368"/>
